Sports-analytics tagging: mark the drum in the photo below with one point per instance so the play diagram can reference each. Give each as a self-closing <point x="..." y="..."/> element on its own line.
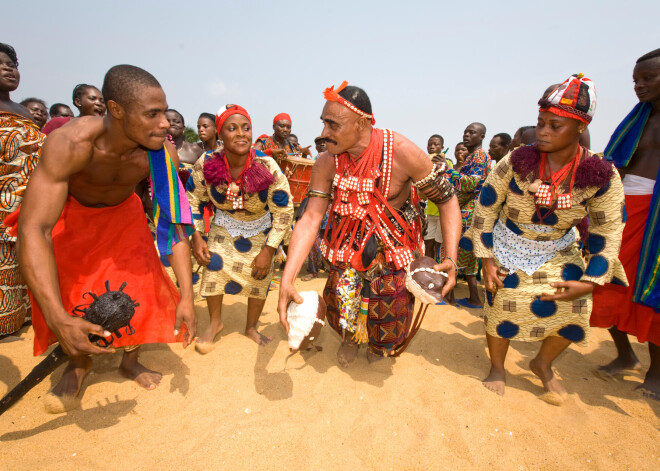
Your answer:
<point x="298" y="171"/>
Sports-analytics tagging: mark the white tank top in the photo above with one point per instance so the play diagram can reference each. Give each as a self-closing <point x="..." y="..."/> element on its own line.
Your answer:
<point x="636" y="185"/>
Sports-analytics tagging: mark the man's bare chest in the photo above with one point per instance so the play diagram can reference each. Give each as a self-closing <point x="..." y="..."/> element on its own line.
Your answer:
<point x="124" y="171"/>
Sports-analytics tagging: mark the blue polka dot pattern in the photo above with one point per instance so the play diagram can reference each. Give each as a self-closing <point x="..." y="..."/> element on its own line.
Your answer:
<point x="200" y="207"/>
<point x="543" y="308"/>
<point x="216" y="262"/>
<point x="206" y="239"/>
<point x="597" y="266"/>
<point x="164" y="260"/>
<point x="624" y="213"/>
<point x="487" y="239"/>
<point x="190" y="184"/>
<point x="242" y="244"/>
<point x="507" y="329"/>
<point x="263" y="195"/>
<point x="489" y="298"/>
<point x="603" y="190"/>
<point x="197" y="216"/>
<point x="280" y="198"/>
<point x="513" y="227"/>
<point x="549" y="220"/>
<point x="617" y="281"/>
<point x="195" y="278"/>
<point x="466" y="244"/>
<point x="511" y="281"/>
<point x="267" y="230"/>
<point x="572" y="332"/>
<point x="571" y="272"/>
<point x="513" y="186"/>
<point x="488" y="195"/>
<point x="219" y="197"/>
<point x="595" y="243"/>
<point x="233" y="288"/>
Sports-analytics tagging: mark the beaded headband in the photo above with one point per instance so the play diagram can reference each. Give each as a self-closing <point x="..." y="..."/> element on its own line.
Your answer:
<point x="331" y="94"/>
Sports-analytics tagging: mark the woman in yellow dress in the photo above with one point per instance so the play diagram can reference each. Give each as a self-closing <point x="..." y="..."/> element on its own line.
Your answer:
<point x="525" y="232"/>
<point x="253" y="209"/>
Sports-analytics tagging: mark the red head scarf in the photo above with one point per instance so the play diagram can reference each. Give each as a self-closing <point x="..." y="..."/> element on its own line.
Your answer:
<point x="226" y="111"/>
<point x="282" y="116"/>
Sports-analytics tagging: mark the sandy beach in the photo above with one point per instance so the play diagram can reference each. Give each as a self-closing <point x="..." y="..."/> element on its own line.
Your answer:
<point x="249" y="407"/>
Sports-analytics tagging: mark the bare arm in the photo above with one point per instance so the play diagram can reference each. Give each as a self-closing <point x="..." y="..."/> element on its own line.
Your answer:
<point x="419" y="166"/>
<point x="305" y="232"/>
<point x="64" y="153"/>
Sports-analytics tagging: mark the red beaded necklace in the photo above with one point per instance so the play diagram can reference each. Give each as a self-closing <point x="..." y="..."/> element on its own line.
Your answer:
<point x="545" y="195"/>
<point x="234" y="188"/>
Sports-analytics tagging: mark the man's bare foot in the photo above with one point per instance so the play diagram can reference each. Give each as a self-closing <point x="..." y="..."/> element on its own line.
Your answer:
<point x="205" y="342"/>
<point x="496" y="381"/>
<point x="347" y="352"/>
<point x="618" y="366"/>
<point x="650" y="388"/>
<point x="132" y="369"/>
<point x="373" y="357"/>
<point x="555" y="392"/>
<point x="63" y="397"/>
<point x="257" y="337"/>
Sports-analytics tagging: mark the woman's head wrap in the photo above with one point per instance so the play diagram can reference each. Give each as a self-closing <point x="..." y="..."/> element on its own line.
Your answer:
<point x="282" y="116"/>
<point x="575" y="98"/>
<point x="226" y="111"/>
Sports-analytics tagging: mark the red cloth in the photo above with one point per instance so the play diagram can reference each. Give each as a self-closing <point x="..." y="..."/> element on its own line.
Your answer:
<point x="55" y="123"/>
<point x="225" y="113"/>
<point x="92" y="245"/>
<point x="282" y="116"/>
<point x="612" y="304"/>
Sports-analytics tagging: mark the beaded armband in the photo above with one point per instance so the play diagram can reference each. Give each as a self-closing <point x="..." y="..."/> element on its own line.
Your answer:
<point x="436" y="188"/>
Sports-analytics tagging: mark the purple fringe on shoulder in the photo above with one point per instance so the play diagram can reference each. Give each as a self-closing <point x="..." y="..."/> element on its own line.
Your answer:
<point x="254" y="179"/>
<point x="525" y="160"/>
<point x="592" y="171"/>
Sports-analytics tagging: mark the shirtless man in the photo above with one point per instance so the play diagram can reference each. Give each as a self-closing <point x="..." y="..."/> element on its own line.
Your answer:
<point x="350" y="136"/>
<point x="188" y="152"/>
<point x="91" y="168"/>
<point x="635" y="150"/>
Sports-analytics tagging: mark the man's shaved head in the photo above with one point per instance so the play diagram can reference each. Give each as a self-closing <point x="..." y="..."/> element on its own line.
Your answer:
<point x="122" y="83"/>
<point x="480" y="127"/>
<point x="357" y="97"/>
<point x="650" y="55"/>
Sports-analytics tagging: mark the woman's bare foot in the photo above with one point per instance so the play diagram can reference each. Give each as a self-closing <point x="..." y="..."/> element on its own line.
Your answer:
<point x="373" y="357"/>
<point x="619" y="366"/>
<point x="132" y="369"/>
<point x="556" y="393"/>
<point x="205" y="342"/>
<point x="496" y="381"/>
<point x="309" y="276"/>
<point x="347" y="352"/>
<point x="257" y="337"/>
<point x="63" y="397"/>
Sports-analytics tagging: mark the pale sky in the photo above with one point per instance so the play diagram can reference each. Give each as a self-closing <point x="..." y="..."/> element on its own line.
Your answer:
<point x="428" y="67"/>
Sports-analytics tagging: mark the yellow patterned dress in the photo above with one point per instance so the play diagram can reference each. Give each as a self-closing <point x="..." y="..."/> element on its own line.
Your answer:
<point x="20" y="148"/>
<point x="539" y="246"/>
<point x="237" y="236"/>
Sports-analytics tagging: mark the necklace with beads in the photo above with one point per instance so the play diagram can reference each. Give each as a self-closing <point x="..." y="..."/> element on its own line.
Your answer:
<point x="234" y="190"/>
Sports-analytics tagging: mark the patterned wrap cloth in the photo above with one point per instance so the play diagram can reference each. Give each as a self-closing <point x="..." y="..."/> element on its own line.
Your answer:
<point x="230" y="271"/>
<point x="20" y="148"/>
<point x="467" y="183"/>
<point x="515" y="312"/>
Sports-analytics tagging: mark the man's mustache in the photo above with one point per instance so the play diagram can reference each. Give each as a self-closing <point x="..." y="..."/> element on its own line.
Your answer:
<point x="330" y="141"/>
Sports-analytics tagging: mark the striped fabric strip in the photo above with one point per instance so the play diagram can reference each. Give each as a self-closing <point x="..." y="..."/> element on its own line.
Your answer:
<point x="172" y="215"/>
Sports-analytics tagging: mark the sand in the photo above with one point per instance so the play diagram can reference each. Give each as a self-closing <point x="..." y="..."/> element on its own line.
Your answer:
<point x="239" y="407"/>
